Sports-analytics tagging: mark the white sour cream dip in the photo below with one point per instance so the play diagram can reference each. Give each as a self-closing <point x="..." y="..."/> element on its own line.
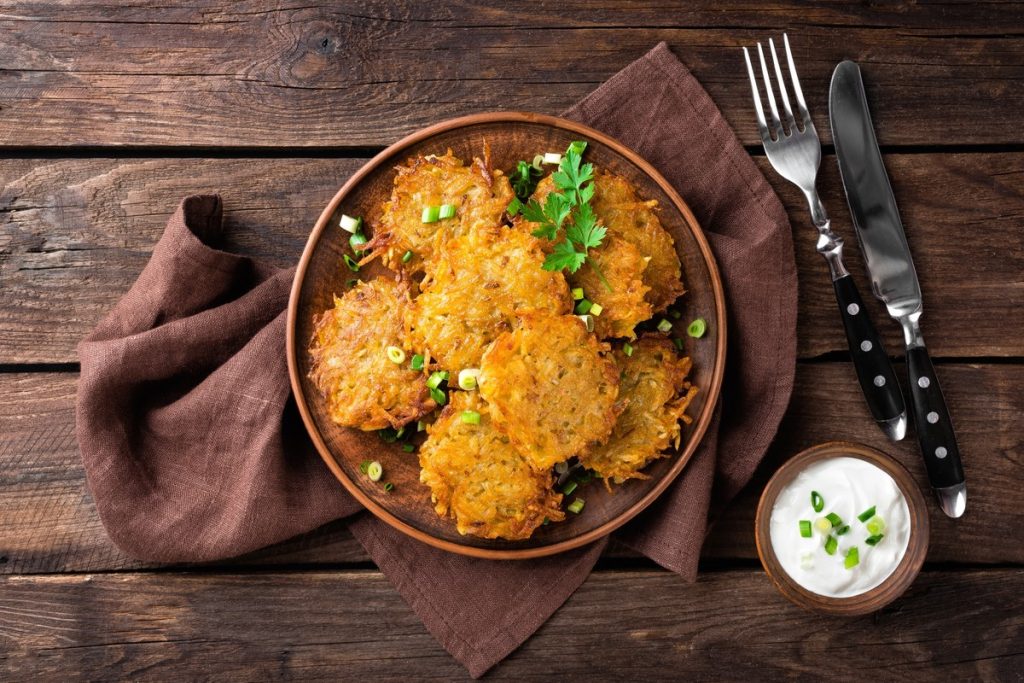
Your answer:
<point x="849" y="487"/>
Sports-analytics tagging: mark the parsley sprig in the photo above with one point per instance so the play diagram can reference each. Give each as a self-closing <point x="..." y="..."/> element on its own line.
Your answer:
<point x="566" y="211"/>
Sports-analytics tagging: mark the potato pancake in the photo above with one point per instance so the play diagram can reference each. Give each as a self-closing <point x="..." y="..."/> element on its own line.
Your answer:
<point x="550" y="388"/>
<point x="478" y="477"/>
<point x="475" y="287"/>
<point x="656" y="394"/>
<point x="622" y="299"/>
<point x="629" y="218"/>
<point x="480" y="196"/>
<point x="350" y="366"/>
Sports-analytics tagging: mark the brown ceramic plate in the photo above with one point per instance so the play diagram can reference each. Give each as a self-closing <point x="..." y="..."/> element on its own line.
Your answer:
<point x="321" y="273"/>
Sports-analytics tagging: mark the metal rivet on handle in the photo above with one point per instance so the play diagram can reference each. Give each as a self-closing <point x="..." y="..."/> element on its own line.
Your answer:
<point x="865" y="345"/>
<point x="879" y="381"/>
<point x="853" y="309"/>
<point x="932" y="417"/>
<point x="924" y="382"/>
<point x="940" y="452"/>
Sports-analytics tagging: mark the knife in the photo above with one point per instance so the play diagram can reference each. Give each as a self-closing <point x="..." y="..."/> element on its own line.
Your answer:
<point x="893" y="278"/>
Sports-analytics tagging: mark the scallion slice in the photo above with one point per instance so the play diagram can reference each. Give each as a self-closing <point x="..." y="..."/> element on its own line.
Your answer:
<point x="664" y="325"/>
<point x="374" y="471"/>
<point x="627" y="349"/>
<point x="468" y="379"/>
<point x="577" y="293"/>
<point x="395" y="355"/>
<point x="435" y="379"/>
<point x="867" y="514"/>
<point x="697" y="328"/>
<point x="446" y="211"/>
<point x="364" y="465"/>
<point x="350" y="223"/>
<point x="470" y="417"/>
<point x="357" y="241"/>
<point x="844" y="529"/>
<point x="852" y="558"/>
<point x="875" y="525"/>
<point x="561" y="467"/>
<point x="679" y="343"/>
<point x="836" y="520"/>
<point x="874" y="539"/>
<point x="421" y="426"/>
<point x="596" y="309"/>
<point x="514" y="207"/>
<point x="823" y="525"/>
<point x="583" y="306"/>
<point x="569" y="488"/>
<point x="831" y="544"/>
<point x="805" y="528"/>
<point x="406" y="257"/>
<point x="552" y="158"/>
<point x="350" y="262"/>
<point x="430" y="214"/>
<point x="576" y="506"/>
<point x="389" y="487"/>
<point x="817" y="502"/>
<point x="417" y="362"/>
<point x="576" y="146"/>
<point x="440" y="398"/>
<point x="588" y="320"/>
<point x="538" y="161"/>
<point x="408" y="447"/>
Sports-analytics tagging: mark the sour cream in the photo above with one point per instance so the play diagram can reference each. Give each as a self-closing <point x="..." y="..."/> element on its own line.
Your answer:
<point x="849" y="487"/>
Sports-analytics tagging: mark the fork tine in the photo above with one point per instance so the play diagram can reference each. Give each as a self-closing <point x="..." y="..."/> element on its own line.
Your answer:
<point x="776" y="124"/>
<point x="787" y="110"/>
<point x="796" y="84"/>
<point x="762" y="126"/>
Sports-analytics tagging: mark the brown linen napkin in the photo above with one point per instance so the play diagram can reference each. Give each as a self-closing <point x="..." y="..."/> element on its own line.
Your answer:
<point x="192" y="445"/>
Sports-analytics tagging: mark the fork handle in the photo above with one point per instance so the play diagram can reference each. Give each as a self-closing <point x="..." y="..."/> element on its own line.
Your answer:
<point x="878" y="381"/>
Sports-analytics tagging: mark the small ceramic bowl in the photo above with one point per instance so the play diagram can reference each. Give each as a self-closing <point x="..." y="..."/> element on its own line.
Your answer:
<point x="882" y="594"/>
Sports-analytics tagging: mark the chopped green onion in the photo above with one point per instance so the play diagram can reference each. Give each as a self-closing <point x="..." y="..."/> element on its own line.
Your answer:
<point x="676" y="315"/>
<point x="697" y="328"/>
<point x="588" y="320"/>
<point x="876" y="525"/>
<point x="470" y="417"/>
<point x="874" y="539"/>
<point x="440" y="398"/>
<point x="417" y="362"/>
<point x="561" y="467"/>
<point x="545" y="522"/>
<point x="576" y="506"/>
<point x="408" y="447"/>
<point x="389" y="487"/>
<point x="843" y="530"/>
<point x="569" y="488"/>
<point x="350" y="262"/>
<point x="468" y="379"/>
<point x="679" y="343"/>
<point x="805" y="528"/>
<point x="364" y="465"/>
<point x="374" y="471"/>
<point x="836" y="520"/>
<point x="576" y="146"/>
<point x="389" y="435"/>
<point x="435" y="379"/>
<point x="356" y="241"/>
<point x="596" y="309"/>
<point x="807" y="561"/>
<point x="552" y="158"/>
<point x="538" y="161"/>
<point x="852" y="558"/>
<point x="577" y="293"/>
<point x="514" y="207"/>
<point x="350" y="224"/>
<point x="446" y="211"/>
<point x="627" y="349"/>
<point x="583" y="306"/>
<point x="406" y="257"/>
<point x="664" y="325"/>
<point x="817" y="502"/>
<point x="867" y="514"/>
<point x="351" y="283"/>
<point x="831" y="544"/>
<point x="421" y="426"/>
<point x="823" y="525"/>
<point x="430" y="214"/>
<point x="396" y="355"/>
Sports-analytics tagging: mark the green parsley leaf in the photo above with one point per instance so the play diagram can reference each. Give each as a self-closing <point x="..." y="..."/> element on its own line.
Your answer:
<point x="585" y="229"/>
<point x="564" y="256"/>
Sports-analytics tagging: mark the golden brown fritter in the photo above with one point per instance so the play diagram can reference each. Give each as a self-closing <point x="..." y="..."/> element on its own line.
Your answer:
<point x="656" y="394"/>
<point x="622" y="300"/>
<point x="479" y="193"/>
<point x="550" y="388"/>
<point x="362" y="386"/>
<point x="629" y="218"/>
<point x="475" y="287"/>
<point x="477" y="477"/>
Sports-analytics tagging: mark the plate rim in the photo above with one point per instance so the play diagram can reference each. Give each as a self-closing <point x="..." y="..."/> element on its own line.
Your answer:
<point x="712" y="392"/>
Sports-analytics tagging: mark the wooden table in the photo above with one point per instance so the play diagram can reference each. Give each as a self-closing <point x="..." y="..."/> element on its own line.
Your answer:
<point x="111" y="112"/>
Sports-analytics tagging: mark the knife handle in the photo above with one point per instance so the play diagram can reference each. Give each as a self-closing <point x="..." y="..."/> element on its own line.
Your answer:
<point x="877" y="379"/>
<point x="932" y="421"/>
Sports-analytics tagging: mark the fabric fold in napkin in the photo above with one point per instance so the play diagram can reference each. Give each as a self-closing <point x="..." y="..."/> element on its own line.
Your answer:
<point x="194" y="451"/>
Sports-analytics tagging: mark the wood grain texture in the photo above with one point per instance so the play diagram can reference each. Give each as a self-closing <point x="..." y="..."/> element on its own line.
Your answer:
<point x="74" y="234"/>
<point x="50" y="524"/>
<point x="366" y="73"/>
<point x="634" y="625"/>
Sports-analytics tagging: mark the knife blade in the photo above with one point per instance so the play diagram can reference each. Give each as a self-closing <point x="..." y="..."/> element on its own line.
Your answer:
<point x="890" y="266"/>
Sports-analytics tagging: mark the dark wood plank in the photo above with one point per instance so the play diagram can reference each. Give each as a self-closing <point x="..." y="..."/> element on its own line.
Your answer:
<point x="367" y="73"/>
<point x="630" y="625"/>
<point x="50" y="522"/>
<point x="74" y="234"/>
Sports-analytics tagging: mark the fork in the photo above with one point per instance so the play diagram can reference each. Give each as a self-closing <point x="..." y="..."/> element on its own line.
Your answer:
<point x="795" y="153"/>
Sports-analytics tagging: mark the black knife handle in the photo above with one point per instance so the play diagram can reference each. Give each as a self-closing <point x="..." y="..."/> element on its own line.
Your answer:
<point x="932" y="421"/>
<point x="877" y="379"/>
